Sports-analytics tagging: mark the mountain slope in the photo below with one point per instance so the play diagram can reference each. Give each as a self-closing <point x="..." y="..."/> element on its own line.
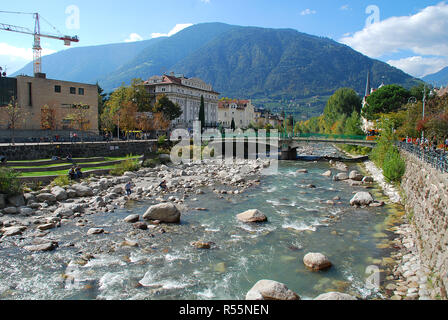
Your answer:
<point x="257" y="62"/>
<point x="160" y="57"/>
<point x="244" y="62"/>
<point x="439" y="78"/>
<point x="88" y="64"/>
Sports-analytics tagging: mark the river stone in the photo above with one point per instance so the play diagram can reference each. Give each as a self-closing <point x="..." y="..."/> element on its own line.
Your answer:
<point x="82" y="191"/>
<point x="164" y="212"/>
<point x="71" y="193"/>
<point x="327" y="174"/>
<point x="130" y="174"/>
<point x="10" y="210"/>
<point x="59" y="193"/>
<point x="132" y="218"/>
<point x="202" y="245"/>
<point x="252" y="216"/>
<point x="2" y="201"/>
<point x="362" y="199"/>
<point x="368" y="180"/>
<point x="26" y="211"/>
<point x="63" y="212"/>
<point x="29" y="198"/>
<point x="316" y="261"/>
<point x="94" y="231"/>
<point x="17" y="201"/>
<point x="302" y="171"/>
<point x="356" y="176"/>
<point x="341" y="177"/>
<point x="13" y="231"/>
<point x="335" y="296"/>
<point x="46" y="197"/>
<point x="140" y="226"/>
<point x="50" y="246"/>
<point x="270" y="290"/>
<point x="129" y="243"/>
<point x="48" y="226"/>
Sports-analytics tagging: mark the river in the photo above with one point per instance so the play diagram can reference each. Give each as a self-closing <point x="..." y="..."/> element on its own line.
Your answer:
<point x="165" y="266"/>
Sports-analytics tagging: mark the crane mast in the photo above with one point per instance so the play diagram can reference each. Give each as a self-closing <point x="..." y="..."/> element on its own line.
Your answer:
<point x="37" y="48"/>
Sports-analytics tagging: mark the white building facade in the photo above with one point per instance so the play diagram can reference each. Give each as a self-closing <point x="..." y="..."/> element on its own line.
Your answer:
<point x="241" y="111"/>
<point x="187" y="94"/>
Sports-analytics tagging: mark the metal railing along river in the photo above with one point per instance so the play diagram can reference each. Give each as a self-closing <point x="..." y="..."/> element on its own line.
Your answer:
<point x="438" y="158"/>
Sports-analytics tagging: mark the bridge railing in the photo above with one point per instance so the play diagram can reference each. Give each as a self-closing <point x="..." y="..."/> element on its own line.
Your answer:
<point x="438" y="158"/>
<point x="329" y="136"/>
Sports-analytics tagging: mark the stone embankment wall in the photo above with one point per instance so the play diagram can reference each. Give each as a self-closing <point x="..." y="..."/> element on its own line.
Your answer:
<point x="426" y="196"/>
<point x="77" y="150"/>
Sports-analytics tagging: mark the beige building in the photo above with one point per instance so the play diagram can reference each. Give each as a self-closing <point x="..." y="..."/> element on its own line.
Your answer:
<point x="241" y="111"/>
<point x="62" y="98"/>
<point x="187" y="94"/>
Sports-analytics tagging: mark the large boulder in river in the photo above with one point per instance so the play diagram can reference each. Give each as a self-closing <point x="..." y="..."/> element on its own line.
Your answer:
<point x="59" y="193"/>
<point x="17" y="200"/>
<point x="82" y="191"/>
<point x="316" y="261"/>
<point x="271" y="290"/>
<point x="164" y="212"/>
<point x="335" y="296"/>
<point x="64" y="212"/>
<point x="46" y="197"/>
<point x="252" y="216"/>
<point x="362" y="199"/>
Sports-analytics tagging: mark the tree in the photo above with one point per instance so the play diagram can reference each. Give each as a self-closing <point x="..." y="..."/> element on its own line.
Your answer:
<point x="48" y="118"/>
<point x="102" y="99"/>
<point x="128" y="116"/>
<point x="202" y="113"/>
<point x="170" y="110"/>
<point x="15" y="116"/>
<point x="353" y="125"/>
<point x="80" y="117"/>
<point x="139" y="95"/>
<point x="385" y="100"/>
<point x="159" y="123"/>
<point x="343" y="102"/>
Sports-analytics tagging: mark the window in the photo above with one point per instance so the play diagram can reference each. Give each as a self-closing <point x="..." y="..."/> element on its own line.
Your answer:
<point x="72" y="90"/>
<point x="57" y="89"/>
<point x="81" y="91"/>
<point x="30" y="94"/>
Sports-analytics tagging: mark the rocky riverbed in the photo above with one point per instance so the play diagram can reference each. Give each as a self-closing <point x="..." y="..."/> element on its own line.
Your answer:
<point x="92" y="230"/>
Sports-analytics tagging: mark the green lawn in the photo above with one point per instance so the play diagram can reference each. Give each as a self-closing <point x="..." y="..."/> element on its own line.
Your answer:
<point x="69" y="163"/>
<point x="61" y="172"/>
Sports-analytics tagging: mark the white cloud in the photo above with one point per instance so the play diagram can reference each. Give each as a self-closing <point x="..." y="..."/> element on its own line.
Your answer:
<point x="308" y="12"/>
<point x="419" y="66"/>
<point x="14" y="58"/>
<point x="345" y="7"/>
<point x="177" y="28"/>
<point x="425" y="33"/>
<point x="134" y="37"/>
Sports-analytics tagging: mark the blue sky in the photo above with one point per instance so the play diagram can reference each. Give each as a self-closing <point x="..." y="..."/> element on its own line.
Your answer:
<point x="102" y="22"/>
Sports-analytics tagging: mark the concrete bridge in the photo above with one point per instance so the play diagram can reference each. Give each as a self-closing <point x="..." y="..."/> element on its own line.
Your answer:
<point x="289" y="146"/>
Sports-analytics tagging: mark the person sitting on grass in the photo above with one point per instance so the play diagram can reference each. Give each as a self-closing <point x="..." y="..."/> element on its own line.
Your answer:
<point x="78" y="172"/>
<point x="72" y="173"/>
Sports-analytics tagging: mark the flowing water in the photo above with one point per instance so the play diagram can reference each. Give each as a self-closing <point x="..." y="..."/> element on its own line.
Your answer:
<point x="166" y="266"/>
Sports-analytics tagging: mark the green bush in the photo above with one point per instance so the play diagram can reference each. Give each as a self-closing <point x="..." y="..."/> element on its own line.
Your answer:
<point x="151" y="163"/>
<point x="125" y="166"/>
<point x="162" y="140"/>
<point x="9" y="182"/>
<point x="394" y="166"/>
<point x="61" y="181"/>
